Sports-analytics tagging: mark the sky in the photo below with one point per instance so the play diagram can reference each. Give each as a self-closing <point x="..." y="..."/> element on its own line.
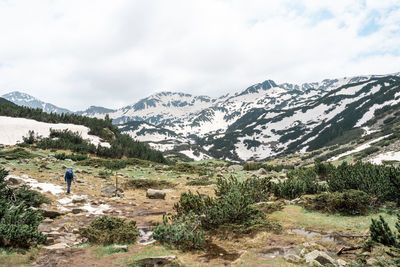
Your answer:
<point x="76" y="53"/>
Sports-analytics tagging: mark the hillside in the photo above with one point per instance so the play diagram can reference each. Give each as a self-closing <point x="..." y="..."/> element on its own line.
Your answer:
<point x="69" y="131"/>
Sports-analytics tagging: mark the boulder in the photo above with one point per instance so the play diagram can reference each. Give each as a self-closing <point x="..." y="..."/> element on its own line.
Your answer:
<point x="111" y="191"/>
<point x="156" y="261"/>
<point x="320" y="257"/>
<point x="261" y="172"/>
<point x="235" y="168"/>
<point x="155" y="194"/>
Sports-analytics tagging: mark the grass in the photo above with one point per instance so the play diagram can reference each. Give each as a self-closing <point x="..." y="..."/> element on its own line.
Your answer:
<point x="105" y="251"/>
<point x="200" y="182"/>
<point x="297" y="217"/>
<point x="148" y="251"/>
<point x="15" y="258"/>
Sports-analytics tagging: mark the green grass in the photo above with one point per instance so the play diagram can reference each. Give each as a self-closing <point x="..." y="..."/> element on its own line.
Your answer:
<point x="297" y="217"/>
<point x="105" y="251"/>
<point x="148" y="251"/>
<point x="15" y="258"/>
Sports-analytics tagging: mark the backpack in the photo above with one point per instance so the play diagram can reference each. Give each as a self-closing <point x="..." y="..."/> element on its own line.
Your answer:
<point x="69" y="174"/>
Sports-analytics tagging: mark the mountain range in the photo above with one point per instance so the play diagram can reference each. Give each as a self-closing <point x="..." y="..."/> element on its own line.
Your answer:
<point x="263" y="120"/>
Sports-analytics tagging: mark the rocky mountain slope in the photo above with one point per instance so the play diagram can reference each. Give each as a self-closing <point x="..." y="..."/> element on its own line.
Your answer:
<point x="261" y="121"/>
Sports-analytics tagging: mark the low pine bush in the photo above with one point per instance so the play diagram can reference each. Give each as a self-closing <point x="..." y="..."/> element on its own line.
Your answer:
<point x="18" y="226"/>
<point x="182" y="232"/>
<point x="349" y="202"/>
<point x="19" y="222"/>
<point x="107" y="230"/>
<point x="148" y="183"/>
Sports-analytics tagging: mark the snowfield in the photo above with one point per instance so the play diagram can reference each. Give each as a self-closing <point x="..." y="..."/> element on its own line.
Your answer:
<point x="13" y="129"/>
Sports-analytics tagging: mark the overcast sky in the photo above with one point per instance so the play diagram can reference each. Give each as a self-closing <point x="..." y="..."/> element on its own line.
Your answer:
<point x="77" y="53"/>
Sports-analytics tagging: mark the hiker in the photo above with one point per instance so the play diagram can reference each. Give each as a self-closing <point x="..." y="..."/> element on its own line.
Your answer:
<point x="69" y="177"/>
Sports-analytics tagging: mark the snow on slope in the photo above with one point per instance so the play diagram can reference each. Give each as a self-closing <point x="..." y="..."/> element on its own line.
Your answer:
<point x="358" y="149"/>
<point x="386" y="156"/>
<point x="13" y="129"/>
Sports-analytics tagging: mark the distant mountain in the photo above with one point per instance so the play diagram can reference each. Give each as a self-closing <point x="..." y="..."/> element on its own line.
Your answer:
<point x="95" y="112"/>
<point x="261" y="121"/>
<point x="22" y="99"/>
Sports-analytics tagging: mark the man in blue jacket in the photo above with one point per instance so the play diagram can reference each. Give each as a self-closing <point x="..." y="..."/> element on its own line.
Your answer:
<point x="69" y="177"/>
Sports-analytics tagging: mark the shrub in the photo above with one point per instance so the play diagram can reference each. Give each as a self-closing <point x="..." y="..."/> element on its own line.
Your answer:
<point x="30" y="197"/>
<point x="200" y="182"/>
<point x="381" y="232"/>
<point x="18" y="226"/>
<point x="257" y="189"/>
<point x="379" y="181"/>
<point x="18" y="153"/>
<point x="182" y="232"/>
<point x="349" y="202"/>
<point x="194" y="203"/>
<point x="148" y="183"/>
<point x="18" y="222"/>
<point x="107" y="230"/>
<point x="78" y="157"/>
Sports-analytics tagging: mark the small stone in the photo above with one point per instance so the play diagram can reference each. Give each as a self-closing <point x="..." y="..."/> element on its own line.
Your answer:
<point x="76" y="210"/>
<point x="341" y="262"/>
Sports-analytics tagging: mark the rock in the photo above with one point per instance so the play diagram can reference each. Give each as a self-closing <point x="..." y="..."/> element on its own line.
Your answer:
<point x="50" y="241"/>
<point x="79" y="200"/>
<point x="77" y="210"/>
<point x="57" y="246"/>
<point x="155" y="194"/>
<point x="303" y="252"/>
<point x="310" y="246"/>
<point x="322" y="183"/>
<point x="111" y="191"/>
<point x="261" y="171"/>
<point x="156" y="261"/>
<point x="13" y="181"/>
<point x="121" y="247"/>
<point x="341" y="262"/>
<point x="235" y="168"/>
<point x="275" y="180"/>
<point x="319" y="256"/>
<point x="204" y="177"/>
<point x="48" y="220"/>
<point x="51" y="213"/>
<point x="53" y="234"/>
<point x="314" y="263"/>
<point x="292" y="258"/>
<point x="371" y="261"/>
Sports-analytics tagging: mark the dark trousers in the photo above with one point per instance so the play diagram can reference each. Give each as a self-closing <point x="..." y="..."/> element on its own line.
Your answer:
<point x="69" y="181"/>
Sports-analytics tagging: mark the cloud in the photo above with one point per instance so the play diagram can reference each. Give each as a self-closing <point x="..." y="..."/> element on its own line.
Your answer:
<point x="80" y="53"/>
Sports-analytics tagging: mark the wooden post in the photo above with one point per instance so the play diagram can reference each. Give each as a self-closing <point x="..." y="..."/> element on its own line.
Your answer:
<point x="116" y="183"/>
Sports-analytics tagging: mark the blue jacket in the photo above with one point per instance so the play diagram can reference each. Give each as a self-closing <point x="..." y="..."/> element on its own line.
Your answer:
<point x="69" y="174"/>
